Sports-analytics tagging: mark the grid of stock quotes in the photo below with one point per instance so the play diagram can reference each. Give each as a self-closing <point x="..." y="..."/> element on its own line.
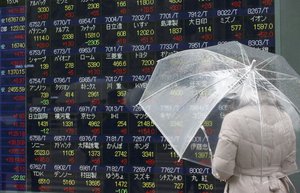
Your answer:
<point x="83" y="68"/>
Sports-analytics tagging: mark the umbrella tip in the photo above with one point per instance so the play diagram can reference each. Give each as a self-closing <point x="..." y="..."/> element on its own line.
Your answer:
<point x="252" y="64"/>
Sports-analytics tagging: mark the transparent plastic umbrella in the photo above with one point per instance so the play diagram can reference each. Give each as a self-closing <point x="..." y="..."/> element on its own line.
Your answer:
<point x="194" y="96"/>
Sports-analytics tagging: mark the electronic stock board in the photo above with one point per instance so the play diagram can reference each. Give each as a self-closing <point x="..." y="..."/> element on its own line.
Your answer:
<point x="71" y="74"/>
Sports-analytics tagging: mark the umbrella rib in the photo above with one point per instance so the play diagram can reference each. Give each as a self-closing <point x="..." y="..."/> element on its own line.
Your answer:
<point x="213" y="85"/>
<point x="270" y="58"/>
<point x="195" y="95"/>
<point x="243" y="51"/>
<point x="206" y="136"/>
<point x="215" y="53"/>
<point x="277" y="78"/>
<point x="285" y="98"/>
<point x="209" y="148"/>
<point x="159" y="128"/>
<point x="275" y="72"/>
<point x="206" y="73"/>
<point x="233" y="85"/>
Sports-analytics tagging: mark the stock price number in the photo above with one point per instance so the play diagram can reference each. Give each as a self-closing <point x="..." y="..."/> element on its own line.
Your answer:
<point x="44" y="181"/>
<point x="236" y="27"/>
<point x="123" y="154"/>
<point x="176" y="33"/>
<point x="145" y="2"/>
<point x="202" y="186"/>
<point x="94" y="153"/>
<point x="145" y="32"/>
<point x="148" y="185"/>
<point x="202" y="155"/>
<point x="68" y="182"/>
<point x="263" y="26"/>
<point x="93" y="183"/>
<point x="147" y="5"/>
<point x="120" y="6"/>
<point x="68" y="40"/>
<point x="41" y="152"/>
<point x="146" y="123"/>
<point x="121" y="184"/>
<point x="147" y="154"/>
<point x="205" y="29"/>
<point x="178" y="185"/>
<point x="69" y="153"/>
<point x="68" y="124"/>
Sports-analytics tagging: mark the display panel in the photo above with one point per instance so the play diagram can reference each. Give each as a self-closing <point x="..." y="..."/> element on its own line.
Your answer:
<point x="87" y="63"/>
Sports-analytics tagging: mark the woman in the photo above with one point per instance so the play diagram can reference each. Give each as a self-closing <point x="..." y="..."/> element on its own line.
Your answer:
<point x="256" y="149"/>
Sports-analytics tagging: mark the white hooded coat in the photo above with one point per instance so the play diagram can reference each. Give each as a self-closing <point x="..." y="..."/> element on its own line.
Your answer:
<point x="253" y="157"/>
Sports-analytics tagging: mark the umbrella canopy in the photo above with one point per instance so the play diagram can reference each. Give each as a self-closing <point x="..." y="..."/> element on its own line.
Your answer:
<point x="194" y="95"/>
